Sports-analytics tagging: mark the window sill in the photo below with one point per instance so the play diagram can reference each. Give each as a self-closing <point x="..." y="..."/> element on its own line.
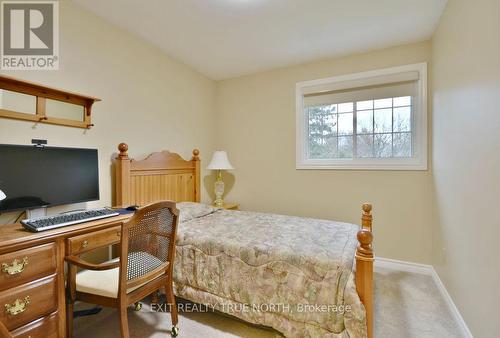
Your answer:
<point x="405" y="165"/>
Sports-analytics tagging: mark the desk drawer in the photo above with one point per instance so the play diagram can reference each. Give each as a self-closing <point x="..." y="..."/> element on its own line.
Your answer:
<point x="87" y="242"/>
<point x="25" y="265"/>
<point x="27" y="302"/>
<point x="46" y="327"/>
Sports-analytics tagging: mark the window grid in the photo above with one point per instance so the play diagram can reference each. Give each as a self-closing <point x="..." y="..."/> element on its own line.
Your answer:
<point x="354" y="134"/>
<point x="374" y="133"/>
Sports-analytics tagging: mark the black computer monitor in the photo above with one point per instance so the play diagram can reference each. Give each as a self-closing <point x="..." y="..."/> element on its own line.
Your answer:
<point x="33" y="177"/>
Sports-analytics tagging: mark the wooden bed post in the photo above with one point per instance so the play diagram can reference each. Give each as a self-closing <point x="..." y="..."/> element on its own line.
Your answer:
<point x="122" y="176"/>
<point x="367" y="218"/>
<point x="197" y="184"/>
<point x="364" y="266"/>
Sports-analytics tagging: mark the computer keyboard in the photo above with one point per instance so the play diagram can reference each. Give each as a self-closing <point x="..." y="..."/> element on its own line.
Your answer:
<point x="62" y="220"/>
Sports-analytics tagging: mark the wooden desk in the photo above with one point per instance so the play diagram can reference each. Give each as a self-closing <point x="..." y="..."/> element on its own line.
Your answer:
<point x="32" y="292"/>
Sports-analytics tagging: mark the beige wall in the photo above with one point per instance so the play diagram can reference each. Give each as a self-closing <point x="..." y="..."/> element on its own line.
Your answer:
<point x="256" y="125"/>
<point x="149" y="100"/>
<point x="466" y="63"/>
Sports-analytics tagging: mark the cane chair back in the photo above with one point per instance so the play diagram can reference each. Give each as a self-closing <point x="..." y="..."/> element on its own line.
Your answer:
<point x="148" y="243"/>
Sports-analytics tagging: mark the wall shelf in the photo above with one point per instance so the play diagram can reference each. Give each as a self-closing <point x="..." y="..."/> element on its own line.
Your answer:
<point x="43" y="94"/>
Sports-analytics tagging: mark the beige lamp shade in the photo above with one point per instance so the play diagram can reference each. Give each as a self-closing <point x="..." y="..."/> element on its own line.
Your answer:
<point x="220" y="161"/>
<point x="2" y="195"/>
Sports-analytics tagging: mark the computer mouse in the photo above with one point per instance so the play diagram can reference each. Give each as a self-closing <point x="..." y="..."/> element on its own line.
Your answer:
<point x="132" y="208"/>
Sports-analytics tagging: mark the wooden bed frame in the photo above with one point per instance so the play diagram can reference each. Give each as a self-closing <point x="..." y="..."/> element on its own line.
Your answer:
<point x="167" y="176"/>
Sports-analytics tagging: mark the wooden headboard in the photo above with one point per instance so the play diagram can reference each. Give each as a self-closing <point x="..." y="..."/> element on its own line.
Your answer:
<point x="160" y="176"/>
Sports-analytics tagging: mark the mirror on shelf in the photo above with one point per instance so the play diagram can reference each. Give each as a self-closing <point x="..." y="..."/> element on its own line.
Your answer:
<point x="17" y="102"/>
<point x="64" y="110"/>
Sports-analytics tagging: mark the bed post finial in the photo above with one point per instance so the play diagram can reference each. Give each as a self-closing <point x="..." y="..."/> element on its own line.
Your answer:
<point x="196" y="152"/>
<point x="365" y="239"/>
<point x="123" y="148"/>
<point x="367" y="218"/>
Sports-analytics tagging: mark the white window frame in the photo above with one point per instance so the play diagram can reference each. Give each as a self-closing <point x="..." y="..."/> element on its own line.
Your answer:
<point x="419" y="124"/>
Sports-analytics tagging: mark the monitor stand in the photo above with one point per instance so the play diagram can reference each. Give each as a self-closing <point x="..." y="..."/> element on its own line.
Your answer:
<point x="35" y="213"/>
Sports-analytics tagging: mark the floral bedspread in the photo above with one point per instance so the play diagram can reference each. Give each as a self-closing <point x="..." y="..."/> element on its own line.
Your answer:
<point x="293" y="274"/>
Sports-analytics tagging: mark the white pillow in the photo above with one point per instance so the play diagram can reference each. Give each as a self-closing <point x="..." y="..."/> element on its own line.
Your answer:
<point x="192" y="210"/>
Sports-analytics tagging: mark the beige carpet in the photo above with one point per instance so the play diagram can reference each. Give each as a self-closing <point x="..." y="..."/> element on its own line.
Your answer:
<point x="406" y="305"/>
<point x="410" y="305"/>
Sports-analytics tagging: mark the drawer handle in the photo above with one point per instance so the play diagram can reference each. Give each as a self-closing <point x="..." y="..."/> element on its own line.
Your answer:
<point x="19" y="306"/>
<point x="85" y="244"/>
<point x="15" y="267"/>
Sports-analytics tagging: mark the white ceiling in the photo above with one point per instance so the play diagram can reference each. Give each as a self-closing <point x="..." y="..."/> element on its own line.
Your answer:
<point x="227" y="38"/>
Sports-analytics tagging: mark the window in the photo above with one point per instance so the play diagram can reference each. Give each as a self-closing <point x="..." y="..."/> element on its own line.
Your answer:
<point x="372" y="120"/>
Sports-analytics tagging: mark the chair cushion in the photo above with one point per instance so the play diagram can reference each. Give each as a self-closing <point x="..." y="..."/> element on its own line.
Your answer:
<point x="105" y="282"/>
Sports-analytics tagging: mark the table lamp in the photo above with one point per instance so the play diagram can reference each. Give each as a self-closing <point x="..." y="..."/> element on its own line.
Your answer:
<point x="219" y="162"/>
<point x="2" y="195"/>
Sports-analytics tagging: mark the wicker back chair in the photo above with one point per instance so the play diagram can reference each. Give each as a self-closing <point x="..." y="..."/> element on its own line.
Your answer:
<point x="147" y="251"/>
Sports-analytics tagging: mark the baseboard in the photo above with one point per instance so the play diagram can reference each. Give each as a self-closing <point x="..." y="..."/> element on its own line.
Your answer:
<point x="429" y="270"/>
<point x="451" y="305"/>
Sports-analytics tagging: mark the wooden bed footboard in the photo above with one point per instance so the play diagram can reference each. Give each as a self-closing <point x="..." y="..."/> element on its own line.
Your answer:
<point x="364" y="266"/>
<point x="165" y="175"/>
